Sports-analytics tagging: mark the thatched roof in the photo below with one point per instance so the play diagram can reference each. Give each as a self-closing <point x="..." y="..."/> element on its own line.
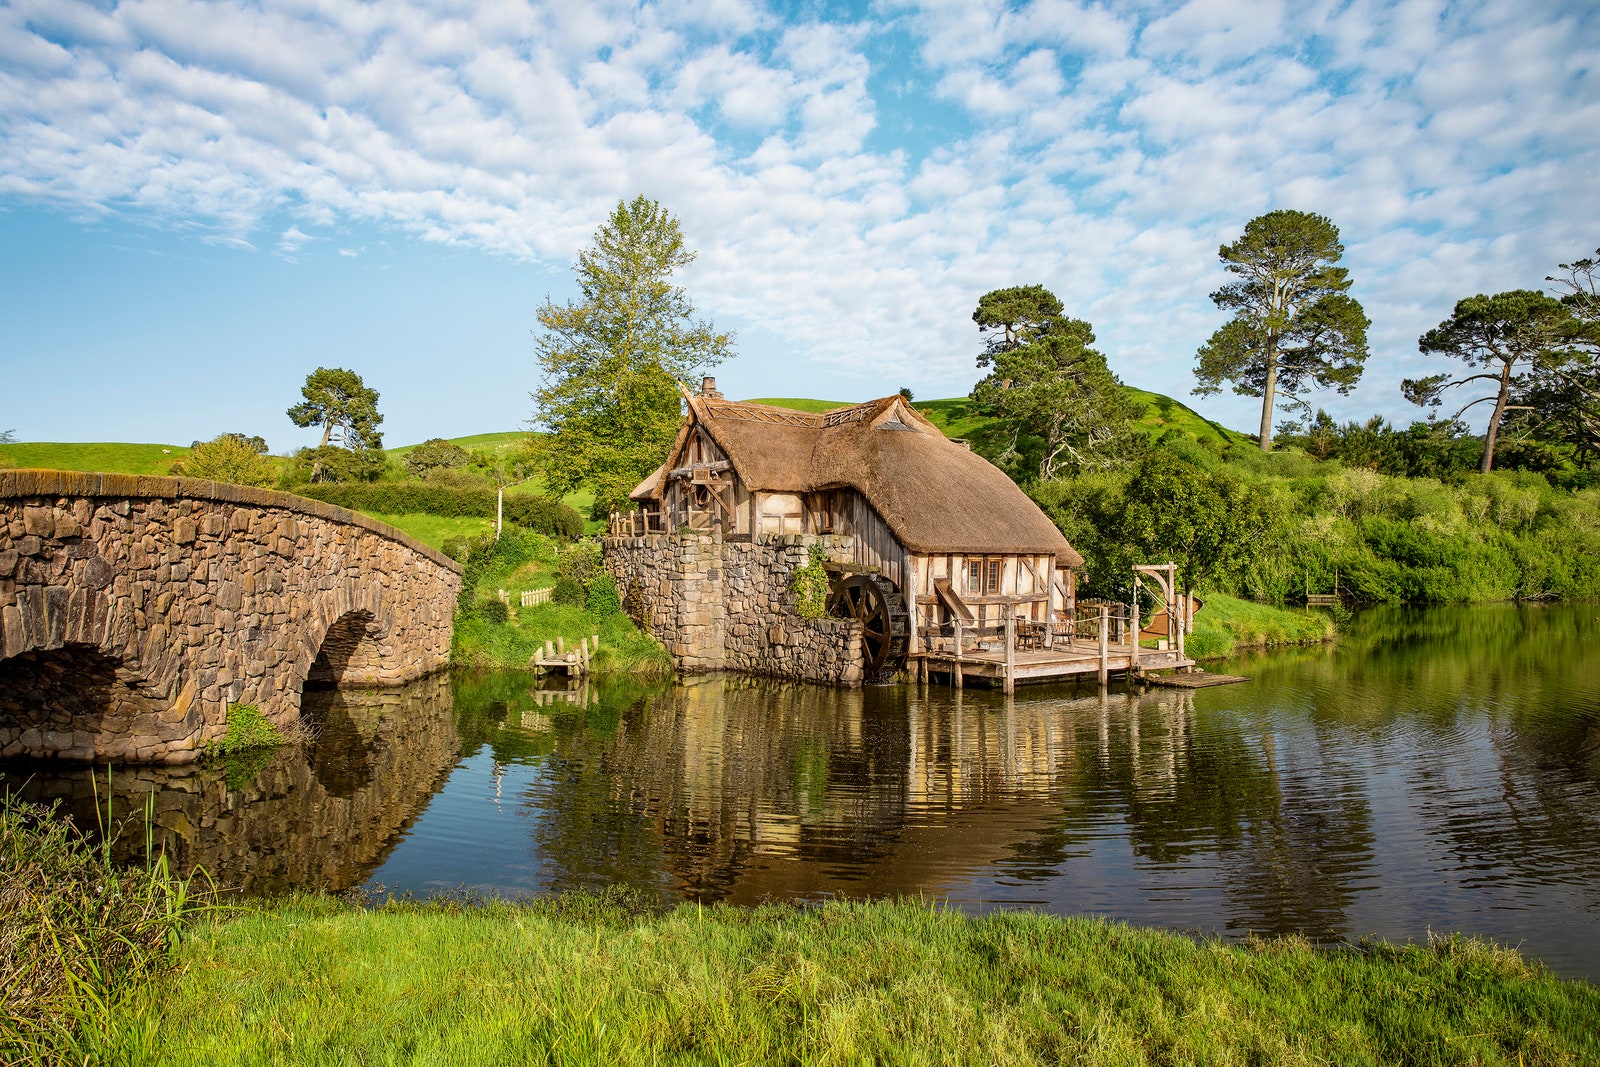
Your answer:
<point x="936" y="495"/>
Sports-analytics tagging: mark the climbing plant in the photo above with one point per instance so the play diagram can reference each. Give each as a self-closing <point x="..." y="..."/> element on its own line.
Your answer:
<point x="810" y="587"/>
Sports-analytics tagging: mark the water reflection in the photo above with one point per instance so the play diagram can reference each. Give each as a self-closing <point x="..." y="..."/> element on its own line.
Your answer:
<point x="322" y="816"/>
<point x="1438" y="770"/>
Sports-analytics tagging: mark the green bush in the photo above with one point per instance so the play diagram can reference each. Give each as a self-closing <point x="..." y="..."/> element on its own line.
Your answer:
<point x="538" y="513"/>
<point x="810" y="586"/>
<point x="494" y="610"/>
<point x="602" y="598"/>
<point x="568" y="591"/>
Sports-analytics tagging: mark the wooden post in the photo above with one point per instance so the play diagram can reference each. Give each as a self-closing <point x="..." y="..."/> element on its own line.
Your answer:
<point x="1104" y="650"/>
<point x="1011" y="653"/>
<point x="1133" y="626"/>
<point x="955" y="664"/>
<point x="561" y="646"/>
<point x="1183" y="624"/>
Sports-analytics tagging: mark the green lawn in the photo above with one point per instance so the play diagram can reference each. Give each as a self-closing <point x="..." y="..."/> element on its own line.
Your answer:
<point x="432" y="530"/>
<point x="100" y="457"/>
<point x="578" y="982"/>
<point x="488" y="442"/>
<point x="1227" y="624"/>
<point x="799" y="403"/>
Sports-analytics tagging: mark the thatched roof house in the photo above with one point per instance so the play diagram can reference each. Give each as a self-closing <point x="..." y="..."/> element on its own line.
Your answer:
<point x="951" y="532"/>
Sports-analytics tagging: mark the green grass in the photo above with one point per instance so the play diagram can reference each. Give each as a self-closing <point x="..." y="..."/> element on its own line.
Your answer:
<point x="487" y="442"/>
<point x="1163" y="414"/>
<point x="480" y="644"/>
<point x="79" y="932"/>
<point x="100" y="457"/>
<point x="432" y="530"/>
<point x="800" y="403"/>
<point x="1227" y="624"/>
<point x="575" y="982"/>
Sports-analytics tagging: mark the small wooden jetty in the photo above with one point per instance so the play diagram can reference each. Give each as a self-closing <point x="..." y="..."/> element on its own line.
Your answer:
<point x="1101" y="645"/>
<point x="556" y="658"/>
<point x="1193" y="680"/>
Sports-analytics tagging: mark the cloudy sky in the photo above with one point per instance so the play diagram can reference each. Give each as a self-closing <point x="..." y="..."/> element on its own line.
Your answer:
<point x="201" y="202"/>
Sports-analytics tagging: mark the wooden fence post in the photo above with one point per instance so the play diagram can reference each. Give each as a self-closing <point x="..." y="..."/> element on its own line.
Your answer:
<point x="1104" y="650"/>
<point x="1011" y="653"/>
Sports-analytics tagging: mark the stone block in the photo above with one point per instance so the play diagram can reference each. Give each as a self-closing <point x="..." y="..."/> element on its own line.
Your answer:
<point x="8" y="562"/>
<point x="40" y="522"/>
<point x="30" y="545"/>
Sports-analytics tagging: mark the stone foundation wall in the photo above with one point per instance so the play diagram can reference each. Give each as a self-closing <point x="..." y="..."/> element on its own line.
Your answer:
<point x="726" y="606"/>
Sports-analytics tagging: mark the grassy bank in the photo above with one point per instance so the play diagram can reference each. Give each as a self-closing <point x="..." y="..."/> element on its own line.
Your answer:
<point x="575" y="981"/>
<point x="491" y="635"/>
<point x="1226" y="625"/>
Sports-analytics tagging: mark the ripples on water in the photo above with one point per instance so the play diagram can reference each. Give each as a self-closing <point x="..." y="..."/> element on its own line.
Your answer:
<point x="1440" y="771"/>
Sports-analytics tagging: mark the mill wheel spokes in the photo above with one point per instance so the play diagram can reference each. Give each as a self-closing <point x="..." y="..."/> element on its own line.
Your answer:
<point x="876" y="604"/>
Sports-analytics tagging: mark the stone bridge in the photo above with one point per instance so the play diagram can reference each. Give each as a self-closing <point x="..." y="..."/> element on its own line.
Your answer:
<point x="135" y="610"/>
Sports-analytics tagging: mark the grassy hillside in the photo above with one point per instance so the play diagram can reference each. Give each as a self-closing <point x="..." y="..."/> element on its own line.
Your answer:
<point x="485" y="442"/>
<point x="958" y="417"/>
<point x="103" y="457"/>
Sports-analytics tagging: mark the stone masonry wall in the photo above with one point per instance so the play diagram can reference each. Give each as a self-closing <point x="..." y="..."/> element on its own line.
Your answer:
<point x="134" y="611"/>
<point x="726" y="605"/>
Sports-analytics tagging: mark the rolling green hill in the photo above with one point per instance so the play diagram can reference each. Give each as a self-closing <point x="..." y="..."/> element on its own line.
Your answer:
<point x="958" y="417"/>
<point x="106" y="456"/>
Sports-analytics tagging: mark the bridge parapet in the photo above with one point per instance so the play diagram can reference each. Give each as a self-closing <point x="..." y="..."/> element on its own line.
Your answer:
<point x="135" y="610"/>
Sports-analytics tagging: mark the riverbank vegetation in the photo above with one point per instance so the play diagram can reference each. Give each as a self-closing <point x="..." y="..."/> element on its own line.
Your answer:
<point x="79" y="931"/>
<point x="591" y="980"/>
<point x="577" y="598"/>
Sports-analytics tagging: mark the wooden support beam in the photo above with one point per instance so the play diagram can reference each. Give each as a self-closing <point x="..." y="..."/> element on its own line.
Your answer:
<point x="1104" y="673"/>
<point x="1011" y="654"/>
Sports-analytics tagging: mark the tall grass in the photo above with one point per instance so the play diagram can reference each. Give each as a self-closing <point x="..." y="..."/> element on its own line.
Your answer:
<point x="79" y="933"/>
<point x="886" y="983"/>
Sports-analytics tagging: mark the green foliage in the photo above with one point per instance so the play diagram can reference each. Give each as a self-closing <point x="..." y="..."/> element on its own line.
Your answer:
<point x="612" y="362"/>
<point x="109" y="456"/>
<point x="1521" y="337"/>
<point x="331" y="464"/>
<point x="567" y="591"/>
<point x="581" y="564"/>
<point x="539" y="513"/>
<point x="247" y="729"/>
<point x="340" y="402"/>
<point x="810" y="586"/>
<point x="895" y="983"/>
<point x="80" y="933"/>
<point x="230" y="457"/>
<point x="1294" y="325"/>
<point x="602" y="598"/>
<point x="435" y="454"/>
<point x="1063" y="408"/>
<point x="493" y="610"/>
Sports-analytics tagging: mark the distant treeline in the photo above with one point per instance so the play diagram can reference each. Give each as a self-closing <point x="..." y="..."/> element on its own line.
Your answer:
<point x="1274" y="526"/>
<point x="528" y="511"/>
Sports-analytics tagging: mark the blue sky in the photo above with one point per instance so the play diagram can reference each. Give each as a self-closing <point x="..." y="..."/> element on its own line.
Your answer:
<point x="202" y="202"/>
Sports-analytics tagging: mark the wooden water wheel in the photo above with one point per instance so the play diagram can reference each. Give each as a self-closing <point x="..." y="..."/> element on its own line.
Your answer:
<point x="876" y="603"/>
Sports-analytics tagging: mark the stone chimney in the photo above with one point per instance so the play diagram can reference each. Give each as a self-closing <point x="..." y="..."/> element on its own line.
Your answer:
<point x="708" y="388"/>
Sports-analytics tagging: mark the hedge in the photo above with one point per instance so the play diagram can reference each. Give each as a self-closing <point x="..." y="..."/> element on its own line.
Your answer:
<point x="539" y="513"/>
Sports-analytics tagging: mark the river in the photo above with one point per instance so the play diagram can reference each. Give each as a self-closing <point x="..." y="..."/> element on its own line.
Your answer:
<point x="1436" y="770"/>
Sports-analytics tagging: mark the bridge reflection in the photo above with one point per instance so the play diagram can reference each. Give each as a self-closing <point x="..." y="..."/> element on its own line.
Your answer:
<point x="322" y="816"/>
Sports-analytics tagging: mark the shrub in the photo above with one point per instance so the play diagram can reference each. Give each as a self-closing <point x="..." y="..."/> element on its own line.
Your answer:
<point x="602" y="598"/>
<point x="568" y="591"/>
<point x="494" y="610"/>
<point x="230" y="457"/>
<point x="810" y="586"/>
<point x="434" y="454"/>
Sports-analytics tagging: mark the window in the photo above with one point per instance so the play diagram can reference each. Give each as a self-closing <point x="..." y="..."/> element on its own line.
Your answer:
<point x="983" y="575"/>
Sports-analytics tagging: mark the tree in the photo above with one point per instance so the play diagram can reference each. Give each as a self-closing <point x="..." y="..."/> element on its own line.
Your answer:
<point x="612" y="361"/>
<point x="340" y="402"/>
<point x="435" y="454"/>
<point x="1517" y="335"/>
<point x="229" y="457"/>
<point x="1569" y="397"/>
<point x="1294" y="326"/>
<point x="1208" y="523"/>
<point x="1048" y="385"/>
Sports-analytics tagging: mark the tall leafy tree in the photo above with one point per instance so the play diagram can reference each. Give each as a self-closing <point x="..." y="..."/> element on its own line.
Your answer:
<point x="612" y="360"/>
<point x="340" y="402"/>
<point x="1048" y="385"/>
<point x="1294" y="324"/>
<point x="1516" y="338"/>
<point x="1568" y="397"/>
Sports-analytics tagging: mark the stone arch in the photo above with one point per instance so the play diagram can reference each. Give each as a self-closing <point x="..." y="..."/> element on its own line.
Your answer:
<point x="346" y="637"/>
<point x="73" y="700"/>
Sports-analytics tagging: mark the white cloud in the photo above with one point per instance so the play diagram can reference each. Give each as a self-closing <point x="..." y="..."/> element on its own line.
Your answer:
<point x="1104" y="150"/>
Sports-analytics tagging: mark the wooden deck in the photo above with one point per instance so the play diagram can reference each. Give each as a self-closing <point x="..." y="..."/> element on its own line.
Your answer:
<point x="1063" y="661"/>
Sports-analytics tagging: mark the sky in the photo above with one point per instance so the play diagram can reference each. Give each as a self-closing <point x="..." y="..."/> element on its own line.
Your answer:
<point x="200" y="203"/>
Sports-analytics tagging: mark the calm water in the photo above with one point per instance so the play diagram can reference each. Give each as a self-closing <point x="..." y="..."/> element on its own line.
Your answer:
<point x="1438" y="770"/>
